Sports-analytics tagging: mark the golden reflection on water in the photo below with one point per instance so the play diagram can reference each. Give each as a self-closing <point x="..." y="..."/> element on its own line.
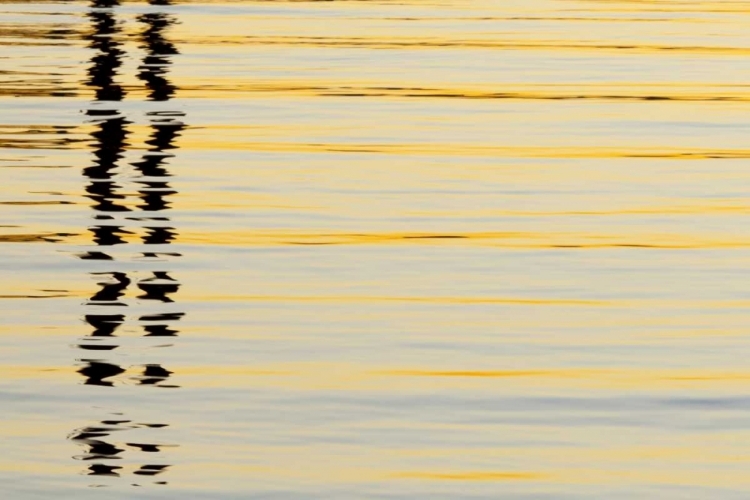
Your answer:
<point x="302" y="249"/>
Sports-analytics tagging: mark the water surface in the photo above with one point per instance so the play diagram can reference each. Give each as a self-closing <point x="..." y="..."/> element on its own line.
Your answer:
<point x="374" y="249"/>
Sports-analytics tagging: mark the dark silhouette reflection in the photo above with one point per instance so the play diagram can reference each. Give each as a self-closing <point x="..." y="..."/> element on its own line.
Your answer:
<point x="104" y="325"/>
<point x="97" y="372"/>
<point x="110" y="136"/>
<point x="155" y="65"/>
<point x="160" y="287"/>
<point x="111" y="291"/>
<point x="151" y="470"/>
<point x="157" y="325"/>
<point x="159" y="235"/>
<point x="109" y="235"/>
<point x="127" y="208"/>
<point x="108" y="58"/>
<point x="155" y="375"/>
<point x="166" y="125"/>
<point x="109" y="145"/>
<point x="98" y="448"/>
<point x="93" y="255"/>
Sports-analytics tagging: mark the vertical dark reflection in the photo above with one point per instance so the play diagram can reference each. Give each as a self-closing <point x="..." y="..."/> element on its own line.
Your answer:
<point x="108" y="144"/>
<point x="109" y="138"/>
<point x="155" y="65"/>
<point x="108" y="56"/>
<point x="154" y="187"/>
<point x="124" y="208"/>
<point x="166" y="124"/>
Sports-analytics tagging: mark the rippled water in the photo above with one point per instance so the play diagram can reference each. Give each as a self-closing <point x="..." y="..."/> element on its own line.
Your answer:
<point x="374" y="249"/>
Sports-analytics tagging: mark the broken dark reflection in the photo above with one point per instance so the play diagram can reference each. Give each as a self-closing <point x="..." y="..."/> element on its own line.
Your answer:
<point x="155" y="375"/>
<point x="128" y="210"/>
<point x="111" y="290"/>
<point x="97" y="372"/>
<point x="159" y="287"/>
<point x="99" y="447"/>
<point x="106" y="374"/>
<point x="110" y="139"/>
<point x="103" y="38"/>
<point x="105" y="326"/>
<point x="154" y="68"/>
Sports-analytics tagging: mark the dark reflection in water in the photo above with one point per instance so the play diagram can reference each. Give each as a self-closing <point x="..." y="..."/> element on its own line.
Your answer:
<point x="155" y="64"/>
<point x="110" y="136"/>
<point x="120" y="215"/>
<point x="111" y="290"/>
<point x="159" y="287"/>
<point x="98" y="447"/>
<point x="108" y="56"/>
<point x="97" y="372"/>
